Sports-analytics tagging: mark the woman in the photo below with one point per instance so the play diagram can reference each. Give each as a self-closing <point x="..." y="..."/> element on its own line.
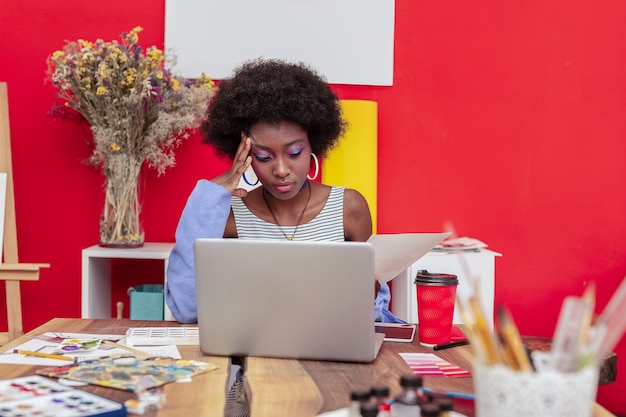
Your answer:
<point x="279" y="118"/>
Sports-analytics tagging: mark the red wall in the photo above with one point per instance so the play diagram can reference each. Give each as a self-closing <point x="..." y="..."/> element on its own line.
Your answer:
<point x="507" y="118"/>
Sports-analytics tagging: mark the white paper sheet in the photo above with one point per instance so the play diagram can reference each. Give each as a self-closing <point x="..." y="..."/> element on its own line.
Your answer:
<point x="47" y="346"/>
<point x="342" y="412"/>
<point x="348" y="41"/>
<point x="393" y="253"/>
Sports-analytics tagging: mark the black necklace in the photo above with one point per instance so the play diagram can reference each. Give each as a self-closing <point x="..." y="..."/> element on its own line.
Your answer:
<point x="288" y="237"/>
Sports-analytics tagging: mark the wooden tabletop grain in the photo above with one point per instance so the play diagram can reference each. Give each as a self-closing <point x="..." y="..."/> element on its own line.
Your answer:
<point x="276" y="387"/>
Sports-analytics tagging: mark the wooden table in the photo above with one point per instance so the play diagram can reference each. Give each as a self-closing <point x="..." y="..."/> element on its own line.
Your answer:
<point x="204" y="396"/>
<point x="278" y="387"/>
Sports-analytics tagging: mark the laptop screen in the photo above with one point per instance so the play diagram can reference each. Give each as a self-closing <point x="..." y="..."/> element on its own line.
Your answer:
<point x="277" y="298"/>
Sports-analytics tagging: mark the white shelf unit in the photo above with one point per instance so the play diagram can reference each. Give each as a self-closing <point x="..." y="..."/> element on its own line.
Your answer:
<point x="480" y="264"/>
<point x="96" y="275"/>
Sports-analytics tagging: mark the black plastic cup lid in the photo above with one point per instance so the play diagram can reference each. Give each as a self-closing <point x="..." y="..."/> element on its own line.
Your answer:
<point x="424" y="277"/>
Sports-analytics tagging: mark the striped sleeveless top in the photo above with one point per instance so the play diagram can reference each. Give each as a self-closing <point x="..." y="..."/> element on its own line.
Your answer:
<point x="326" y="226"/>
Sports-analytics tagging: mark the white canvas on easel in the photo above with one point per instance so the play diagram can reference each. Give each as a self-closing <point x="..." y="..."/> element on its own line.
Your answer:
<point x="3" y="193"/>
<point x="348" y="41"/>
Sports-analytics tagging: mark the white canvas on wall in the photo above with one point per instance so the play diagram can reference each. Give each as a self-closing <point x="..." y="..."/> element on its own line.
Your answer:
<point x="348" y="41"/>
<point x="3" y="196"/>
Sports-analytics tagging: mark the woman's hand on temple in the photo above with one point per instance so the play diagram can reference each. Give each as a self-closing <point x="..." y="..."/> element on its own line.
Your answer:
<point x="230" y="179"/>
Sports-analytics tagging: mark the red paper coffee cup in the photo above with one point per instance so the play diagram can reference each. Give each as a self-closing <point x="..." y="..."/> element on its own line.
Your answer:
<point x="436" y="295"/>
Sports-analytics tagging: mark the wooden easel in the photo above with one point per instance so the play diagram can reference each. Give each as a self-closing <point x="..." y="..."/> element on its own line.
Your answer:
<point x="11" y="270"/>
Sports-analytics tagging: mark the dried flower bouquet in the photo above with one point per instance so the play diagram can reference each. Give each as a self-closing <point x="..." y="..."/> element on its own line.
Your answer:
<point x="138" y="112"/>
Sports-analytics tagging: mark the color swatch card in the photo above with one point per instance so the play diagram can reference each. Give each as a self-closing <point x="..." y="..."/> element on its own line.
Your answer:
<point x="38" y="396"/>
<point x="139" y="336"/>
<point x="429" y="364"/>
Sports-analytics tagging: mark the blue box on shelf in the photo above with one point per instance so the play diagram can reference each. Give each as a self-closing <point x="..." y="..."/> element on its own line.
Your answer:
<point x="146" y="302"/>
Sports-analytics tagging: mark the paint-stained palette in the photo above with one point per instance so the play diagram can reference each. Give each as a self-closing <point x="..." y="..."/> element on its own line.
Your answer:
<point x="39" y="396"/>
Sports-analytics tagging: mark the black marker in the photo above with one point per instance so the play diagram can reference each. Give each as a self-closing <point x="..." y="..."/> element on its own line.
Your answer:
<point x="451" y="344"/>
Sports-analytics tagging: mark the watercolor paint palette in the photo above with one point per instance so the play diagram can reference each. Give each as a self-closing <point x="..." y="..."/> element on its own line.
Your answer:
<point x="128" y="372"/>
<point x="35" y="395"/>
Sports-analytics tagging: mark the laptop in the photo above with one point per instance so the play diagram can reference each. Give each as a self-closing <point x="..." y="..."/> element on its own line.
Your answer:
<point x="280" y="299"/>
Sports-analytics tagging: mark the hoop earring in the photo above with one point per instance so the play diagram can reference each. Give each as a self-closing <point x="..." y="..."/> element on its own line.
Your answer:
<point x="317" y="167"/>
<point x="248" y="182"/>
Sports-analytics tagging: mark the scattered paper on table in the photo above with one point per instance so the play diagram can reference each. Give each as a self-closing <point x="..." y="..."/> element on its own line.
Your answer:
<point x="50" y="342"/>
<point x="342" y="412"/>
<point x="394" y="253"/>
<point x="461" y="244"/>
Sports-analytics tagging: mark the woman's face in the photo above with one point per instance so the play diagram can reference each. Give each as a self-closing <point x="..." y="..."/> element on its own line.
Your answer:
<point x="281" y="155"/>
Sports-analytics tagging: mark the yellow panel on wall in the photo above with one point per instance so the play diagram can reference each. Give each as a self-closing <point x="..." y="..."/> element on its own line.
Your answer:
<point x="354" y="162"/>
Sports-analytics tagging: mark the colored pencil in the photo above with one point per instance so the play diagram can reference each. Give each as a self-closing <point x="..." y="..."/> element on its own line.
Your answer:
<point x="513" y="348"/>
<point x="450" y="394"/>
<point x="43" y="355"/>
